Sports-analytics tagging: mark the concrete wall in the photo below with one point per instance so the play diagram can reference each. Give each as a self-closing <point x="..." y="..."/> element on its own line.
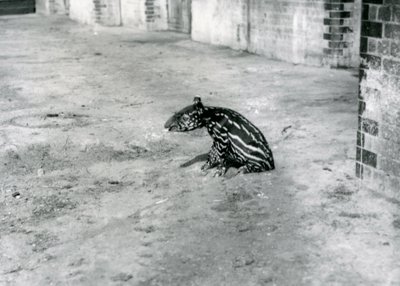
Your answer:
<point x="179" y="15"/>
<point x="313" y="32"/>
<point x="47" y="7"/>
<point x="82" y="11"/>
<point x="60" y="6"/>
<point x="143" y="14"/>
<point x="42" y="7"/>
<point x="291" y="31"/>
<point x="222" y="22"/>
<point x="133" y="13"/>
<point x="105" y="12"/>
<point x="156" y="14"/>
<point x="316" y="32"/>
<point x="378" y="137"/>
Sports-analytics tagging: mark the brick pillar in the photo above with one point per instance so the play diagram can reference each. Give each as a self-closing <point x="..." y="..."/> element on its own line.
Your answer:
<point x="150" y="15"/>
<point x="378" y="136"/>
<point x="339" y="32"/>
<point x="156" y="14"/>
<point x="107" y="12"/>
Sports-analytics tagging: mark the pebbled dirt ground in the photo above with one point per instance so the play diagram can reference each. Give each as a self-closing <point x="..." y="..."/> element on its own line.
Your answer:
<point x="91" y="192"/>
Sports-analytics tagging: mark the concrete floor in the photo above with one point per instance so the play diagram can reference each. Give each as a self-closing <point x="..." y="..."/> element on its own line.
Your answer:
<point x="91" y="189"/>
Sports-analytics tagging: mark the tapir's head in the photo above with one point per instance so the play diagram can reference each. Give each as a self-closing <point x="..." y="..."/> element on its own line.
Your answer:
<point x="189" y="118"/>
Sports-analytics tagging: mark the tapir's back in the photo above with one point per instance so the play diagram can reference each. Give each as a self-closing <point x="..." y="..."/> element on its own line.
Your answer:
<point x="246" y="141"/>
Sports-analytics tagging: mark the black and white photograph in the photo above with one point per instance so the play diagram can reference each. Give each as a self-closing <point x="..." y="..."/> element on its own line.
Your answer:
<point x="200" y="142"/>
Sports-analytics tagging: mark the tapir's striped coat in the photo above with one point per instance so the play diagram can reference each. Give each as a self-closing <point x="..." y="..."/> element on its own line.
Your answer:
<point x="237" y="142"/>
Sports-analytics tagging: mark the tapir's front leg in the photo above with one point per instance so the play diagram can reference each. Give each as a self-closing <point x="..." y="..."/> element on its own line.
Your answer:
<point x="215" y="156"/>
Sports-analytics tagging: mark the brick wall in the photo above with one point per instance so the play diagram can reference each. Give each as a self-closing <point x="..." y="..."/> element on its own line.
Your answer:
<point x="317" y="32"/>
<point x="104" y="12"/>
<point x="156" y="14"/>
<point x="342" y="31"/>
<point x="143" y="14"/>
<point x="15" y="7"/>
<point x="288" y="30"/>
<point x="378" y="137"/>
<point x="107" y="12"/>
<point x="220" y="22"/>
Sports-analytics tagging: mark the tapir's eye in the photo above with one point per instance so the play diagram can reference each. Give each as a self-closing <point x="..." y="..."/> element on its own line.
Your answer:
<point x="185" y="117"/>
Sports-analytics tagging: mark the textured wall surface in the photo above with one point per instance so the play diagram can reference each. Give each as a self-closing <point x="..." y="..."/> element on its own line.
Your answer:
<point x="342" y="32"/>
<point x="317" y="32"/>
<point x="42" y="6"/>
<point x="59" y="6"/>
<point x="82" y="11"/>
<point x="179" y="15"/>
<point x="48" y="7"/>
<point x="288" y="30"/>
<point x="15" y="7"/>
<point x="156" y="14"/>
<point x="143" y="14"/>
<point x="378" y="138"/>
<point x="107" y="12"/>
<point x="220" y="22"/>
<point x="133" y="13"/>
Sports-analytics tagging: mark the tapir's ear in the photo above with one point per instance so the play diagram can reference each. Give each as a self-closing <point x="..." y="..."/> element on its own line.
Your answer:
<point x="197" y="104"/>
<point x="197" y="100"/>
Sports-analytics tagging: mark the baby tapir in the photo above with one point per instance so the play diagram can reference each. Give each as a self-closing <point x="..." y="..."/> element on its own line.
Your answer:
<point x="236" y="141"/>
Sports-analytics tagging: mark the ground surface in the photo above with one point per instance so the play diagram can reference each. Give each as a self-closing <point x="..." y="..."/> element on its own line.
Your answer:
<point x="91" y="192"/>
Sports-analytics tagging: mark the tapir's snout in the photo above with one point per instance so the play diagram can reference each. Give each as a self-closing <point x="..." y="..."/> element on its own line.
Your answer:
<point x="171" y="123"/>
